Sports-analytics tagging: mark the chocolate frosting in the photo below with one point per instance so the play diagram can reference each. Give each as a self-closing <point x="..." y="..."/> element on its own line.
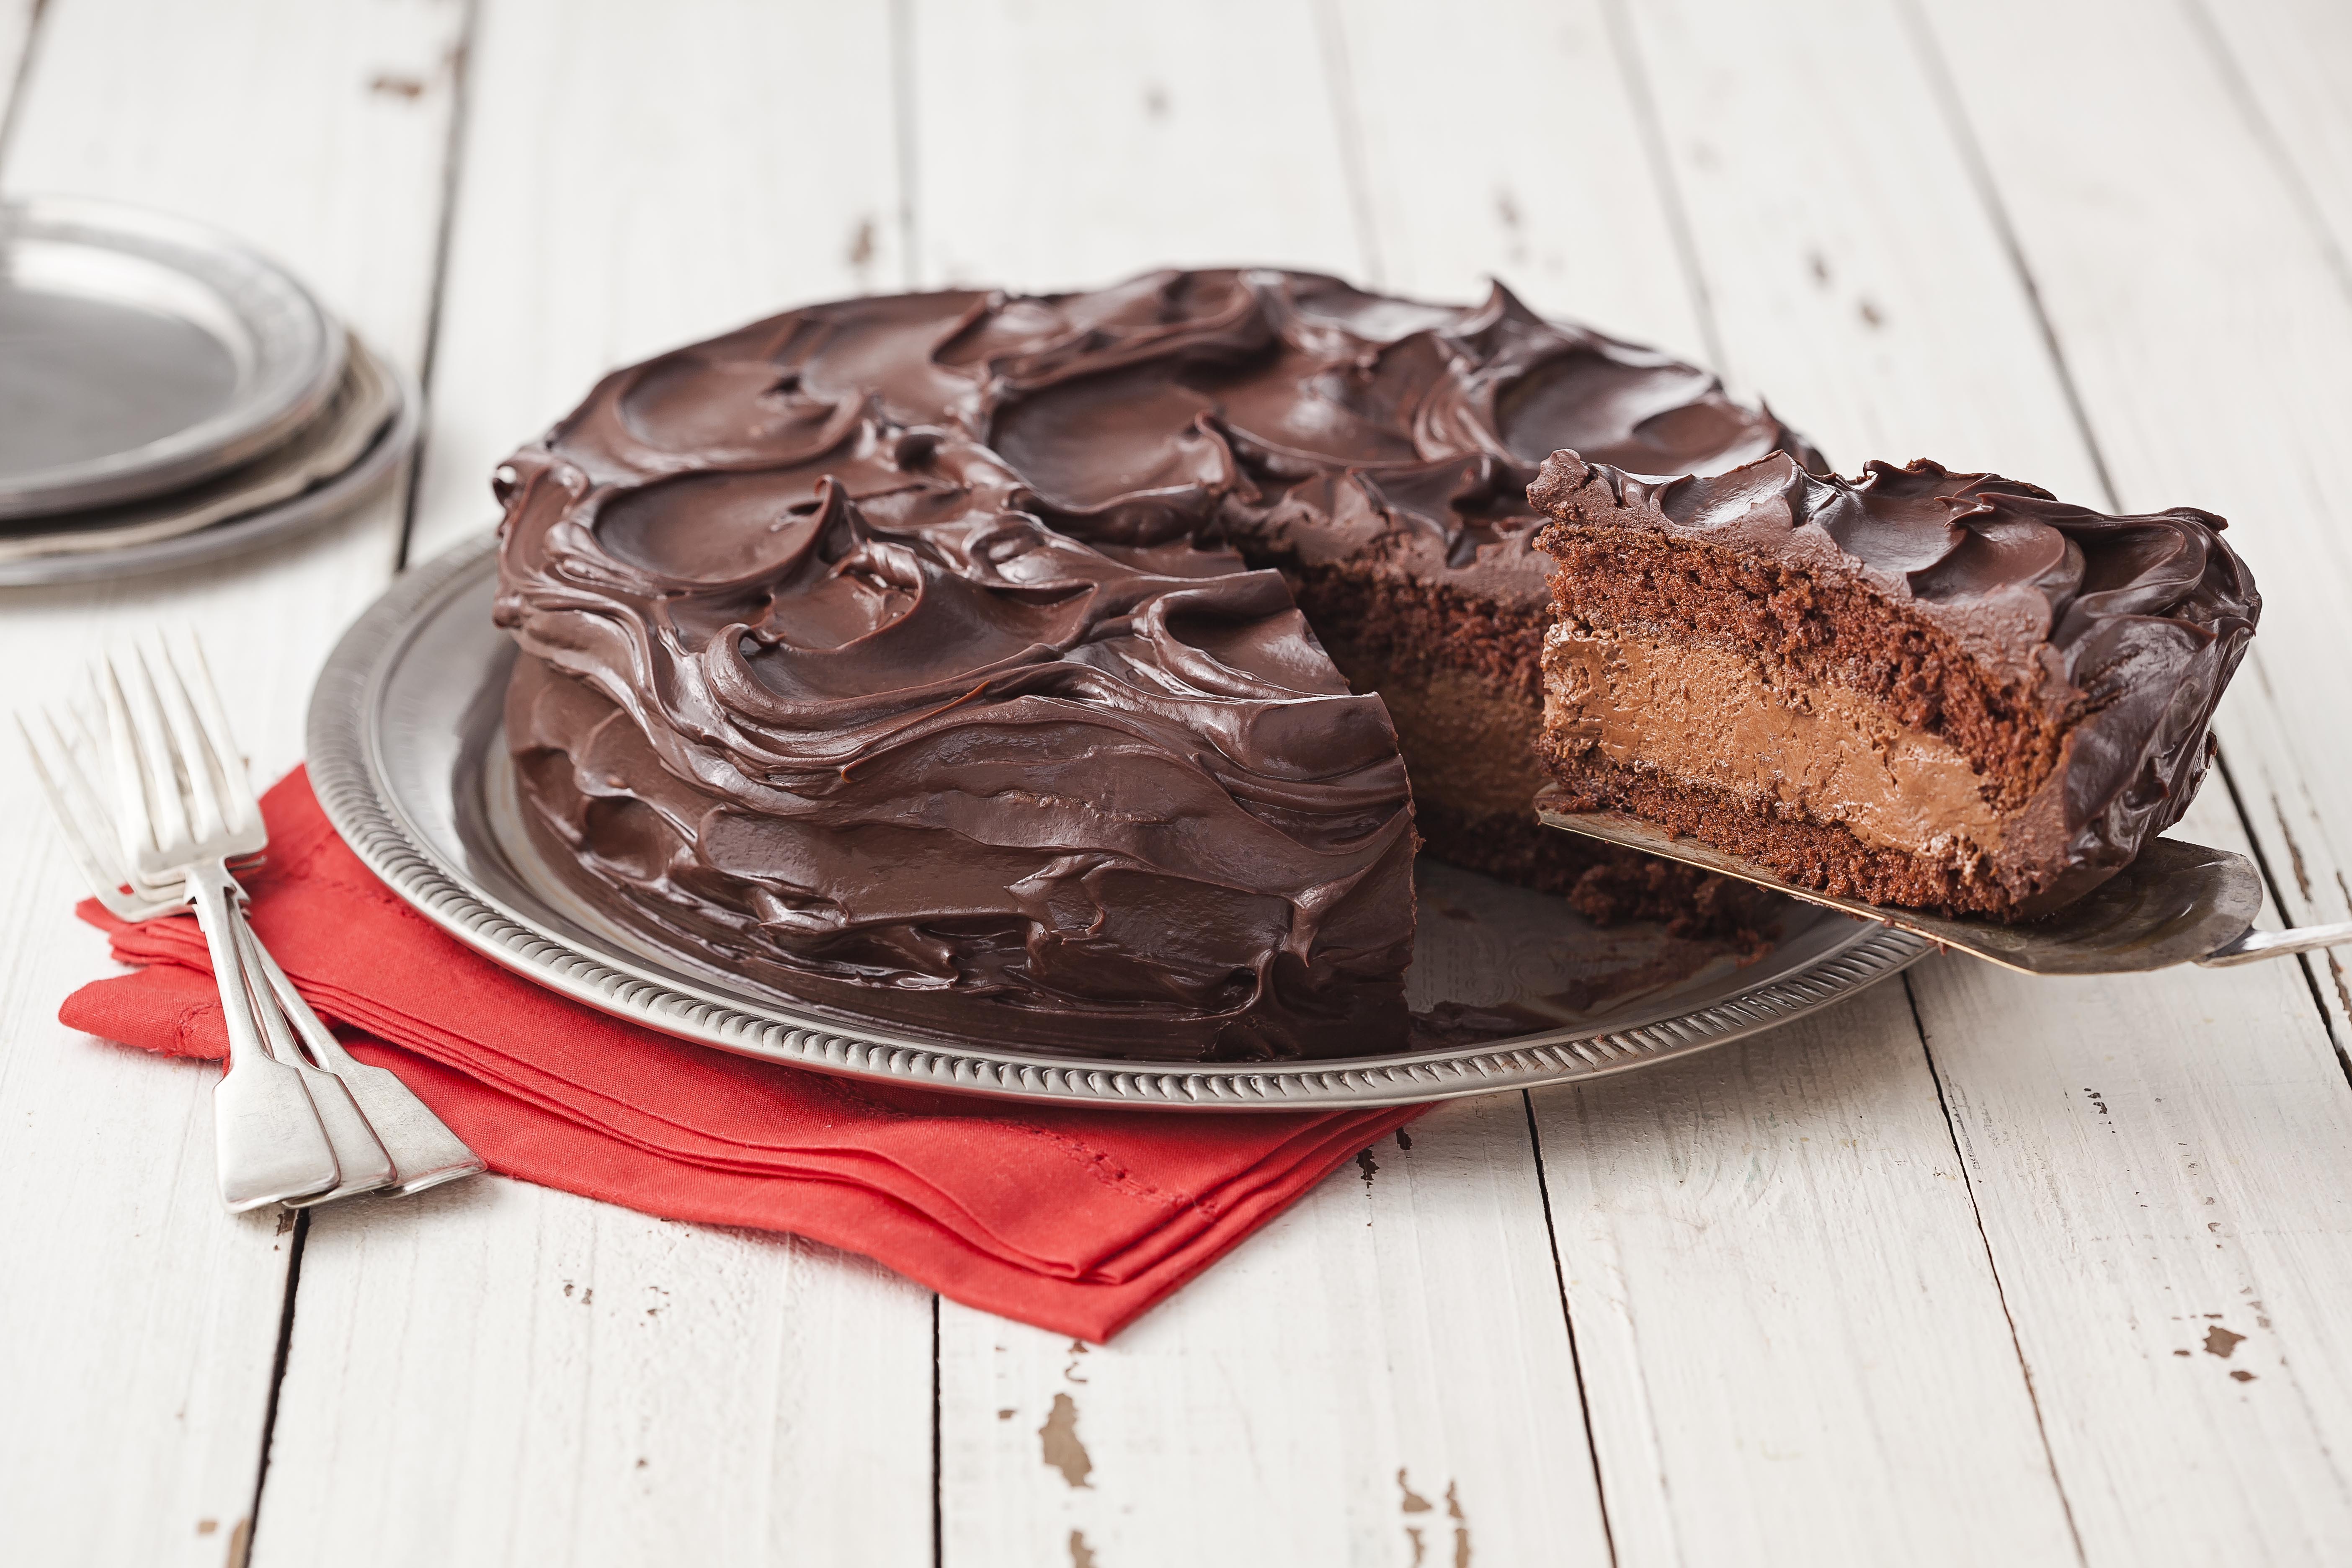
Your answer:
<point x="897" y="650"/>
<point x="2122" y="629"/>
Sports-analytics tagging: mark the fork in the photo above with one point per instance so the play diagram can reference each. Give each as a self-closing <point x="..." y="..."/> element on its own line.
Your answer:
<point x="392" y="1122"/>
<point x="181" y="779"/>
<point x="389" y="1121"/>
<point x="424" y="1152"/>
<point x="271" y="1143"/>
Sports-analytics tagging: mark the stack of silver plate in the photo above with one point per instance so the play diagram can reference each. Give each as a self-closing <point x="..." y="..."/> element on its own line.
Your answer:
<point x="168" y="395"/>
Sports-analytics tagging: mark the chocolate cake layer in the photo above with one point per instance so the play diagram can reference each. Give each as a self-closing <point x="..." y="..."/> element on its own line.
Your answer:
<point x="1918" y="687"/>
<point x="906" y="523"/>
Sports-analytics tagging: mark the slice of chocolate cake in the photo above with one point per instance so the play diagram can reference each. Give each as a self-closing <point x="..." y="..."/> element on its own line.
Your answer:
<point x="1943" y="691"/>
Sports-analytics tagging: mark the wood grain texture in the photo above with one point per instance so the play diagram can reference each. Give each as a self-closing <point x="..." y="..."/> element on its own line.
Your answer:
<point x="142" y="1322"/>
<point x="635" y="180"/>
<point x="2276" y="69"/>
<point x="1552" y="191"/>
<point x="2167" y="1190"/>
<point x="2208" y="356"/>
<point x="630" y="178"/>
<point x="1381" y="1375"/>
<point x="504" y="1374"/>
<point x="1906" y="219"/>
<point x="1791" y="1340"/>
<point x="2282" y="64"/>
<point x="1067" y="146"/>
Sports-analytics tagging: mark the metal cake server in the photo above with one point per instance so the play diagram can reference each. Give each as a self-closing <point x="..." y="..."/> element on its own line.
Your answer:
<point x="2176" y="903"/>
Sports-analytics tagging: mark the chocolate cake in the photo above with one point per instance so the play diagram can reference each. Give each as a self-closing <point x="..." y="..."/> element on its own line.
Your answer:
<point x="1944" y="691"/>
<point x="921" y="654"/>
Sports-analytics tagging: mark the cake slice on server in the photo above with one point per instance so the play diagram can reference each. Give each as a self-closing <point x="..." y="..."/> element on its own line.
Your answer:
<point x="1918" y="687"/>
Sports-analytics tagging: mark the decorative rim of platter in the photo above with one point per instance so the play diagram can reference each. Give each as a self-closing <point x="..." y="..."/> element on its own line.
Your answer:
<point x="348" y="773"/>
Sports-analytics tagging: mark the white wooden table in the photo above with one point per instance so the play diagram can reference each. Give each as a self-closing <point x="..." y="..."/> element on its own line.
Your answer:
<point x="1975" y="1268"/>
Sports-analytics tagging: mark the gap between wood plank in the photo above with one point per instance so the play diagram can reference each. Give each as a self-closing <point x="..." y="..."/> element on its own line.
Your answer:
<point x="2278" y="900"/>
<point x="904" y="124"/>
<point x="1993" y="1267"/>
<point x="1963" y="133"/>
<point x="452" y="172"/>
<point x="1652" y="131"/>
<point x="939" y="1516"/>
<point x="243" y="1545"/>
<point x="1567" y="1321"/>
<point x="1340" y="84"/>
<point x="902" y="117"/>
<point x="2266" y="136"/>
<point x="1973" y="158"/>
<point x="452" y="154"/>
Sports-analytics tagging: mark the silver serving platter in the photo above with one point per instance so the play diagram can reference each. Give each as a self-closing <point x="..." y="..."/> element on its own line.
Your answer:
<point x="407" y="756"/>
<point x="141" y="353"/>
<point x="321" y="503"/>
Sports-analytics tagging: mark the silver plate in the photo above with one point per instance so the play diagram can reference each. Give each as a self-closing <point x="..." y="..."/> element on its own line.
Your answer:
<point x="141" y="353"/>
<point x="407" y="757"/>
<point x="322" y="503"/>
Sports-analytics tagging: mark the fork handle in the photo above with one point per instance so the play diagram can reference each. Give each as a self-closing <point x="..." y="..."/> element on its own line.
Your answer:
<point x="2255" y="945"/>
<point x="268" y="1143"/>
<point x="425" y="1153"/>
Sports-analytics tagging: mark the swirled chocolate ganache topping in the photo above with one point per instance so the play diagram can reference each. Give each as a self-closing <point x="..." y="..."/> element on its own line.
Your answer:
<point x="1920" y="688"/>
<point x="921" y="654"/>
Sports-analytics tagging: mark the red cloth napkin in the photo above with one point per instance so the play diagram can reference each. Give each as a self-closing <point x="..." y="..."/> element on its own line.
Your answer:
<point x="1076" y="1220"/>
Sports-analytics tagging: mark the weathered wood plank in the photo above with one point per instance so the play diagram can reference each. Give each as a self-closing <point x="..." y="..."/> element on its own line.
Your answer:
<point x="1106" y="142"/>
<point x="511" y="1375"/>
<point x="142" y="1322"/>
<point x="1382" y="1374"/>
<point x="1552" y="191"/>
<point x="2277" y="73"/>
<point x="1792" y="1343"/>
<point x="1875" y="283"/>
<point x="1318" y="1396"/>
<point x="2281" y="64"/>
<point x="2164" y="1188"/>
<point x="2208" y="355"/>
<point x="629" y="179"/>
<point x="1855" y="281"/>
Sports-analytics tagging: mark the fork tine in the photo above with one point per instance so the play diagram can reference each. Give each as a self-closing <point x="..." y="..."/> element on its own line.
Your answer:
<point x="237" y="800"/>
<point x="199" y="769"/>
<point x="94" y="869"/>
<point x="100" y="814"/>
<point x="81" y="803"/>
<point x="165" y="794"/>
<point x="86" y="830"/>
<point x="136" y="821"/>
